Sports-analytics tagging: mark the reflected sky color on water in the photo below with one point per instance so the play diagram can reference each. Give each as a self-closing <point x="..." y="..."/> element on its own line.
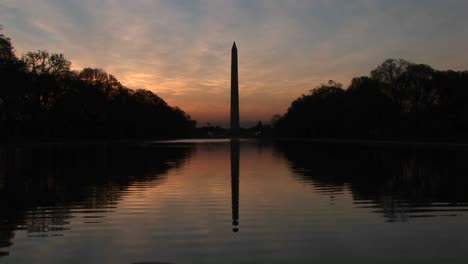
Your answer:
<point x="233" y="202"/>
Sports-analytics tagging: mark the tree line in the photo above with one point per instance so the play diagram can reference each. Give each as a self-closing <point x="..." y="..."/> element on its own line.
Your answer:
<point x="399" y="99"/>
<point x="41" y="97"/>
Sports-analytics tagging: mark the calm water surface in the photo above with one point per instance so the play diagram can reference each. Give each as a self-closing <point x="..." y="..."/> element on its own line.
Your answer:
<point x="224" y="202"/>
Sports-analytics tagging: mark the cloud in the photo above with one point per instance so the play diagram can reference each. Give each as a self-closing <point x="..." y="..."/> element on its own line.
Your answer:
<point x="181" y="49"/>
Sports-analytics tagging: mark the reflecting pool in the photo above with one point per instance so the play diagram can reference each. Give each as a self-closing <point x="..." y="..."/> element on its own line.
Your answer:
<point x="222" y="201"/>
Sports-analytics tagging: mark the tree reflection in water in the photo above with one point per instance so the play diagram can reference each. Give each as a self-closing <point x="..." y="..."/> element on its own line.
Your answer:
<point x="40" y="186"/>
<point x="400" y="182"/>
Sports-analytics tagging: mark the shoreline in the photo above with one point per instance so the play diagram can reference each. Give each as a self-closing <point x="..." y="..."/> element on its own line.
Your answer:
<point x="380" y="142"/>
<point x="334" y="141"/>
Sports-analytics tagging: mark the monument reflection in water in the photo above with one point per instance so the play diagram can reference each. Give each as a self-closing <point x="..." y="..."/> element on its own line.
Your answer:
<point x="179" y="202"/>
<point x="235" y="183"/>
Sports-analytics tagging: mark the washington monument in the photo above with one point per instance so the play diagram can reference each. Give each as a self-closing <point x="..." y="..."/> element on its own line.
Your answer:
<point x="234" y="93"/>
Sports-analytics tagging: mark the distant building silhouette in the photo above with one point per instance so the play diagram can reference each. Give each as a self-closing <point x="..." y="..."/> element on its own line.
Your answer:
<point x="234" y="93"/>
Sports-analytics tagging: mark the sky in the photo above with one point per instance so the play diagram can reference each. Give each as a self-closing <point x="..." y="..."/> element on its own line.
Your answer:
<point x="180" y="49"/>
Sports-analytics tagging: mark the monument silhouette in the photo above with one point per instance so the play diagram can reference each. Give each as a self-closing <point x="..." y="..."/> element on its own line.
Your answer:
<point x="235" y="138"/>
<point x="234" y="93"/>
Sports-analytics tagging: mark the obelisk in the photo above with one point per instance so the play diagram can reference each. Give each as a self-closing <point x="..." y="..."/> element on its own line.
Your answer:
<point x="234" y="93"/>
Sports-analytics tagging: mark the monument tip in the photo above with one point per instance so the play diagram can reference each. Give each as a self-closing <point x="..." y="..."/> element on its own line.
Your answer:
<point x="234" y="45"/>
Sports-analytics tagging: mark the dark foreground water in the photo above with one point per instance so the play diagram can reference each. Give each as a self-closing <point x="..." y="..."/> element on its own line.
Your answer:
<point x="222" y="202"/>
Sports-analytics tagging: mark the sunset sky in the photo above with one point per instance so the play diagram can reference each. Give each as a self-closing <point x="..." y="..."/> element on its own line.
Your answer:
<point x="180" y="49"/>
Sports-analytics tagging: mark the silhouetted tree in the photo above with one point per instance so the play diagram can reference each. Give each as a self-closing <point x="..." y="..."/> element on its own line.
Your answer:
<point x="400" y="99"/>
<point x="389" y="75"/>
<point x="42" y="62"/>
<point x="323" y="108"/>
<point x="40" y="97"/>
<point x="368" y="110"/>
<point x="7" y="53"/>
